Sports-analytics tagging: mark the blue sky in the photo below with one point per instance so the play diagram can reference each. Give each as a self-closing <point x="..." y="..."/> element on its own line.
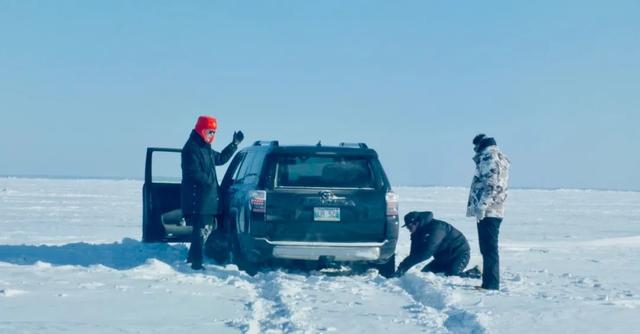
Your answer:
<point x="86" y="86"/>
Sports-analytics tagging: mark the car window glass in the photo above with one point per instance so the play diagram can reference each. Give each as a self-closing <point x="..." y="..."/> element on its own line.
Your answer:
<point x="325" y="171"/>
<point x="236" y="173"/>
<point x="166" y="167"/>
<point x="245" y="166"/>
<point x="253" y="171"/>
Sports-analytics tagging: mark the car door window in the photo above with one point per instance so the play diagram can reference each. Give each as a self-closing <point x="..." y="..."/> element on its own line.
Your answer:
<point x="254" y="169"/>
<point x="166" y="167"/>
<point x="231" y="172"/>
<point x="242" y="171"/>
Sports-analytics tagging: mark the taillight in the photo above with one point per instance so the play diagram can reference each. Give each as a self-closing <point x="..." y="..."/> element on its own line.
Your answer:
<point x="392" y="203"/>
<point x="258" y="201"/>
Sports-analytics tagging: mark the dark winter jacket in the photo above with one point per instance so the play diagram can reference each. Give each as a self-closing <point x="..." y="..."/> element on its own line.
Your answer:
<point x="199" y="191"/>
<point x="433" y="238"/>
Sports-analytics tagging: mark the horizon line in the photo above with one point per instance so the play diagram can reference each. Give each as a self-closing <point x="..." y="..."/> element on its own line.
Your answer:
<point x="118" y="178"/>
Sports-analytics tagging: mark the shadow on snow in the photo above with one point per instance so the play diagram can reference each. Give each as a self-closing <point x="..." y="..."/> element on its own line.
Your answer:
<point x="130" y="253"/>
<point x="127" y="254"/>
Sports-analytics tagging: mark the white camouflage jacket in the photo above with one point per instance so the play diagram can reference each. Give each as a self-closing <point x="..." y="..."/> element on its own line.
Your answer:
<point x="489" y="186"/>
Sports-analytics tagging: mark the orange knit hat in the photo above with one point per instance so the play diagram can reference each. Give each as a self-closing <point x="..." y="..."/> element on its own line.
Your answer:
<point x="206" y="123"/>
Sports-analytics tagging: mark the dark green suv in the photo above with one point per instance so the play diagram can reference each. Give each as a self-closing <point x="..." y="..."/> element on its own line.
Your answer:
<point x="325" y="204"/>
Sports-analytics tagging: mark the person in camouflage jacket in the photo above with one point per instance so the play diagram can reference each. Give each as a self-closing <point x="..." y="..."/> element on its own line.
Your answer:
<point x="489" y="186"/>
<point x="487" y="197"/>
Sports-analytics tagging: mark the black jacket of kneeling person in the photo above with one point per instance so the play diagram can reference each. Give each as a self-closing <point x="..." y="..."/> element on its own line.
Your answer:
<point x="432" y="237"/>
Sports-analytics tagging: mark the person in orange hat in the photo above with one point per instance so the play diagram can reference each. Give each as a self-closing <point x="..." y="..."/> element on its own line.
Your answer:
<point x="199" y="189"/>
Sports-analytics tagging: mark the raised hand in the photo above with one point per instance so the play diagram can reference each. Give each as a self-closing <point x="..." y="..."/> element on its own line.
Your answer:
<point x="238" y="137"/>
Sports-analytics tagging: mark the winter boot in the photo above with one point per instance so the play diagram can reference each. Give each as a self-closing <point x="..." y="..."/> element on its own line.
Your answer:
<point x="197" y="266"/>
<point x="472" y="273"/>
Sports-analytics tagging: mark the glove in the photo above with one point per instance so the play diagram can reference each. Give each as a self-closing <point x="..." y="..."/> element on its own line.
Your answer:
<point x="238" y="137"/>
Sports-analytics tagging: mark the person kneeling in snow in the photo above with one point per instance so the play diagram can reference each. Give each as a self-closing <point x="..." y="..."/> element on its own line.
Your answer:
<point x="432" y="237"/>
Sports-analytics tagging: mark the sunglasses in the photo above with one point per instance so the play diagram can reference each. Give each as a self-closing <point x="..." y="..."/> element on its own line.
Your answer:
<point x="210" y="132"/>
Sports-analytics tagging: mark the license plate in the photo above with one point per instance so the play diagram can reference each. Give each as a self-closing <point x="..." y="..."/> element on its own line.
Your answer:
<point x="326" y="214"/>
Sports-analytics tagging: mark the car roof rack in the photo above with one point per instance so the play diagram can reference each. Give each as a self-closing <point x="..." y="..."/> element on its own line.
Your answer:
<point x="356" y="145"/>
<point x="266" y="143"/>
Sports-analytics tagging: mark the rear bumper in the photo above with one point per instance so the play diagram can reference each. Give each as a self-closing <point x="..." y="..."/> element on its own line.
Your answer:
<point x="337" y="251"/>
<point x="314" y="251"/>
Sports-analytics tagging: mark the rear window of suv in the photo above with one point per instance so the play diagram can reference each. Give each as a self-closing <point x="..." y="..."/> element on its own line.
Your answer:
<point x="324" y="171"/>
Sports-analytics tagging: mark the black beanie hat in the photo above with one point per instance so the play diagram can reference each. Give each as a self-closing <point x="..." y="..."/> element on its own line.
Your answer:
<point x="478" y="138"/>
<point x="486" y="142"/>
<point x="410" y="218"/>
<point x="415" y="217"/>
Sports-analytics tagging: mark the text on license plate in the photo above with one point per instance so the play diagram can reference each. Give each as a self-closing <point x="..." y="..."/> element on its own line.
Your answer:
<point x="326" y="214"/>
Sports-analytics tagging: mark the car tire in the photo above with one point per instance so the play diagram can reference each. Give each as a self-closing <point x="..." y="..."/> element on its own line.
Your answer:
<point x="241" y="261"/>
<point x="238" y="257"/>
<point x="388" y="268"/>
<point x="217" y="247"/>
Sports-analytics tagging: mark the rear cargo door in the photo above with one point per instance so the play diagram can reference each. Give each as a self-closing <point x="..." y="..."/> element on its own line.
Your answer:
<point x="326" y="199"/>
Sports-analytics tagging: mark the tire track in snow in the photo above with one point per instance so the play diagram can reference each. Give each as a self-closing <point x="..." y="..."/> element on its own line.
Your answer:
<point x="361" y="303"/>
<point x="273" y="305"/>
<point x="300" y="303"/>
<point x="255" y="307"/>
<point x="283" y="293"/>
<point x="274" y="302"/>
<point x="279" y="302"/>
<point x="426" y="315"/>
<point x="430" y="295"/>
<point x="227" y="275"/>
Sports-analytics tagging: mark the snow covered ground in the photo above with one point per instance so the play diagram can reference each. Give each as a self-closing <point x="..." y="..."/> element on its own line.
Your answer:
<point x="71" y="262"/>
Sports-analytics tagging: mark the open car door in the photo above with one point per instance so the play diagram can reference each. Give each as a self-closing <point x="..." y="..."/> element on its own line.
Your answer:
<point x="162" y="219"/>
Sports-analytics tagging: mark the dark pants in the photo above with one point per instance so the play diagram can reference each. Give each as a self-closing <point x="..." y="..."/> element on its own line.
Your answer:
<point x="488" y="230"/>
<point x="450" y="267"/>
<point x="198" y="235"/>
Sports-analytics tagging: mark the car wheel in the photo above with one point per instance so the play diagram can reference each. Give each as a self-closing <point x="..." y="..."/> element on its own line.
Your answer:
<point x="238" y="257"/>
<point x="388" y="268"/>
<point x="217" y="247"/>
<point x="241" y="261"/>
